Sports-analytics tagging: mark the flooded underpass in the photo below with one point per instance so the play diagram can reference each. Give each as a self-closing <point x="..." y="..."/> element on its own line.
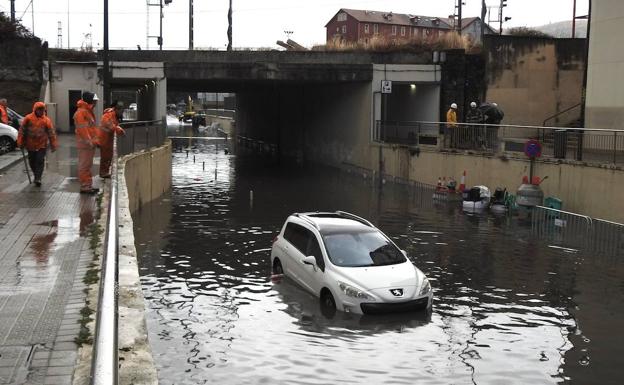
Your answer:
<point x="508" y="308"/>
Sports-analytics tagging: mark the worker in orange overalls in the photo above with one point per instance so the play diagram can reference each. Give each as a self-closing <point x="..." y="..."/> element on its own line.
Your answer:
<point x="35" y="132"/>
<point x="87" y="139"/>
<point x="109" y="127"/>
<point x="4" y="115"/>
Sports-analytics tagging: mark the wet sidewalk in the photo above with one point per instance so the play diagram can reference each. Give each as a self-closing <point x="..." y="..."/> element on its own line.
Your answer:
<point x="44" y="255"/>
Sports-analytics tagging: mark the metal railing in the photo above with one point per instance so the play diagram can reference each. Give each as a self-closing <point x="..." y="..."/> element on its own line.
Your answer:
<point x="105" y="360"/>
<point x="570" y="230"/>
<point x="220" y="112"/>
<point x="141" y="135"/>
<point x="587" y="144"/>
<point x="564" y="112"/>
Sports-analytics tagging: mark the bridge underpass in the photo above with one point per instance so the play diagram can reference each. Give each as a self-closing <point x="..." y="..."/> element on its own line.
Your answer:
<point x="314" y="106"/>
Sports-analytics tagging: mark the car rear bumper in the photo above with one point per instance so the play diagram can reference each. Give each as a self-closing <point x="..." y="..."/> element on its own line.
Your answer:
<point x="395" y="307"/>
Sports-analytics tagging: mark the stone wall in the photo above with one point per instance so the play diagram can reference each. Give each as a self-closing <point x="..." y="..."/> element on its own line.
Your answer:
<point x="21" y="72"/>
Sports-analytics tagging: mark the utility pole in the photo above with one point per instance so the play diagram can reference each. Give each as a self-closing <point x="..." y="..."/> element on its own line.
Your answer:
<point x="483" y="11"/>
<point x="32" y="3"/>
<point x="12" y="11"/>
<point x="191" y="25"/>
<point x="59" y="35"/>
<point x="229" y="31"/>
<point x="574" y="20"/>
<point x="503" y="4"/>
<point x="160" y="39"/>
<point x="459" y="16"/>
<point x="105" y="64"/>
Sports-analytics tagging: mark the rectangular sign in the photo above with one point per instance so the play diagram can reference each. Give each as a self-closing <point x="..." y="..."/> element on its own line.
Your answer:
<point x="386" y="86"/>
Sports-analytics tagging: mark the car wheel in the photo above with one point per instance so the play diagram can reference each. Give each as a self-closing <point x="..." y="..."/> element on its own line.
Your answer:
<point x="6" y="145"/>
<point x="277" y="267"/>
<point x="328" y="304"/>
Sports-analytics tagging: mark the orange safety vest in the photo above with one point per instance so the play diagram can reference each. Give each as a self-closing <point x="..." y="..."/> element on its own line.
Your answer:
<point x="4" y="115"/>
<point x="109" y="125"/>
<point x="86" y="129"/>
<point x="36" y="132"/>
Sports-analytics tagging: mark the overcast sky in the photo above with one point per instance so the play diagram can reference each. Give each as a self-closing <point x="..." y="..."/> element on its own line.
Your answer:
<point x="256" y="23"/>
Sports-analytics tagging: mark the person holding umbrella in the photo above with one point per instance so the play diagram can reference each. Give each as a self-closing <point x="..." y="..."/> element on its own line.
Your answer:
<point x="35" y="133"/>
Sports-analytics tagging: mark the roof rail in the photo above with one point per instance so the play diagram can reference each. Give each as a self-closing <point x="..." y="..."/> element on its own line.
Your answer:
<point x="354" y="217"/>
<point x="307" y="219"/>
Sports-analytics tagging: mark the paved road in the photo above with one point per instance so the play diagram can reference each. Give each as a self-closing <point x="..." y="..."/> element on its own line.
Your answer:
<point x="44" y="255"/>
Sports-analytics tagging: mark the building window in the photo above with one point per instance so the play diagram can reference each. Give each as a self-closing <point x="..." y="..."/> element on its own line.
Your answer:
<point x="394" y="30"/>
<point x="342" y="16"/>
<point x="415" y="33"/>
<point x="375" y="29"/>
<point x="402" y="31"/>
<point x="337" y="29"/>
<point x="366" y="28"/>
<point x="344" y="29"/>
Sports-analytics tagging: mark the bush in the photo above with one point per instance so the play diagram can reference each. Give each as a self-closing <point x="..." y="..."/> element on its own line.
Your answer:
<point x="383" y="44"/>
<point x="527" y="32"/>
<point x="9" y="29"/>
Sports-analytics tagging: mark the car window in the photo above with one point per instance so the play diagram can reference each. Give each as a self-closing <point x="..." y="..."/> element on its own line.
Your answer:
<point x="296" y="235"/>
<point x="305" y="241"/>
<point x="315" y="250"/>
<point x="363" y="248"/>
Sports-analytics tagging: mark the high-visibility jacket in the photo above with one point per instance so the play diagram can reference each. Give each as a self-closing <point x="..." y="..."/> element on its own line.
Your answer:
<point x="86" y="130"/>
<point x="109" y="126"/>
<point x="451" y="118"/>
<point x="36" y="132"/>
<point x="4" y="115"/>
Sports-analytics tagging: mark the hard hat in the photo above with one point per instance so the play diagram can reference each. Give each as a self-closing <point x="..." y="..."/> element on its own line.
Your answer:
<point x="95" y="97"/>
<point x="473" y="104"/>
<point x="454" y="106"/>
<point x="495" y="105"/>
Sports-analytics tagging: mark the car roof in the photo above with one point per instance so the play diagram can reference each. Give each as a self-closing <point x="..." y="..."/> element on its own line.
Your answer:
<point x="339" y="221"/>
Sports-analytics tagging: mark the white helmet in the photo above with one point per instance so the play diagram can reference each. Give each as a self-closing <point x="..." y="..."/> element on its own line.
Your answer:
<point x="95" y="97"/>
<point x="454" y="106"/>
<point x="495" y="105"/>
<point x="473" y="104"/>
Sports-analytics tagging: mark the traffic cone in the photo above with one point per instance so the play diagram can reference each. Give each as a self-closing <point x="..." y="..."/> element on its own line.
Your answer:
<point x="462" y="183"/>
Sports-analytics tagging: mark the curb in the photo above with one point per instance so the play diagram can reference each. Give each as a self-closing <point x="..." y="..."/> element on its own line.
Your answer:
<point x="6" y="161"/>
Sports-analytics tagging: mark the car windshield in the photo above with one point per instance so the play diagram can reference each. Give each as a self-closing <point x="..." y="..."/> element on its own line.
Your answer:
<point x="359" y="249"/>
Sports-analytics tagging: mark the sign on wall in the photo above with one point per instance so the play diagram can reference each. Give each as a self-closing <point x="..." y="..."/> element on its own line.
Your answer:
<point x="386" y="86"/>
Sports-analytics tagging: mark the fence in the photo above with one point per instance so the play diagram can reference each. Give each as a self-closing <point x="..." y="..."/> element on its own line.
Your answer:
<point x="141" y="135"/>
<point x="593" y="145"/>
<point x="571" y="230"/>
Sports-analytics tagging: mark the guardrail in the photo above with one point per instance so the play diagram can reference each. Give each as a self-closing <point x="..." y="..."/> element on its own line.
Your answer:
<point x="105" y="360"/>
<point x="588" y="144"/>
<point x="220" y="112"/>
<point x="141" y="135"/>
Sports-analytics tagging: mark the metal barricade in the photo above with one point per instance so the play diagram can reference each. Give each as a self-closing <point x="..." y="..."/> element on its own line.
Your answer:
<point x="578" y="231"/>
<point x="142" y="135"/>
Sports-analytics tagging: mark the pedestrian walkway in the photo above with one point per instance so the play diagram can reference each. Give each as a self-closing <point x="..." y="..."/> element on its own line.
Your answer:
<point x="44" y="256"/>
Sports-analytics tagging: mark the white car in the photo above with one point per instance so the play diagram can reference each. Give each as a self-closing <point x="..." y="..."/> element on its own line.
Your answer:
<point x="8" y="138"/>
<point x="349" y="264"/>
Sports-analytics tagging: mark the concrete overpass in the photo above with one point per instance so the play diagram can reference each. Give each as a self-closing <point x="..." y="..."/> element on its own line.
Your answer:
<point x="314" y="105"/>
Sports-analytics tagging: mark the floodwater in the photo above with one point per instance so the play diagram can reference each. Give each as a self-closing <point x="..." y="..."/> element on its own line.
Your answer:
<point x="509" y="308"/>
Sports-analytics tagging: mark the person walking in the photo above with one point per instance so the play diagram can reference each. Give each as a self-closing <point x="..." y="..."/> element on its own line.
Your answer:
<point x="4" y="115"/>
<point x="109" y="127"/>
<point x="451" y="127"/>
<point x="87" y="139"/>
<point x="35" y="133"/>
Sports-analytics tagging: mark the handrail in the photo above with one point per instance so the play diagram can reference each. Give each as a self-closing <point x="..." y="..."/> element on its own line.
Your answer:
<point x="561" y="112"/>
<point x="504" y="125"/>
<point x="133" y="123"/>
<point x="105" y="360"/>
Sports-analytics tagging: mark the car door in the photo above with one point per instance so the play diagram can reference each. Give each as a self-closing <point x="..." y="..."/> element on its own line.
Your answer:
<point x="314" y="275"/>
<point x="294" y="249"/>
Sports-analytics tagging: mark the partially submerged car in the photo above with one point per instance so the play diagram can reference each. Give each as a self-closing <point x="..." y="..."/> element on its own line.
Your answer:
<point x="349" y="264"/>
<point x="8" y="138"/>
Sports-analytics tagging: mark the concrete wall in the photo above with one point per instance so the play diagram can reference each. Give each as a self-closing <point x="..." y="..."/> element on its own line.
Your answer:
<point x="21" y="72"/>
<point x="605" y="74"/>
<point x="147" y="175"/>
<point x="593" y="191"/>
<point x="66" y="76"/>
<point x="533" y="79"/>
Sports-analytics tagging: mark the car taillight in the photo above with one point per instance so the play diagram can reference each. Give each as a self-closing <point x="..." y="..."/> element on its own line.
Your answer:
<point x="275" y="239"/>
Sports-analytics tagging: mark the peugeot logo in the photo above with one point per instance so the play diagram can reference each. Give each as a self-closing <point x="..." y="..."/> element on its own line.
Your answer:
<point x="397" y="292"/>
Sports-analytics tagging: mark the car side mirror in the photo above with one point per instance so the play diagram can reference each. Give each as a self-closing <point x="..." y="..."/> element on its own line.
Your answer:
<point x="309" y="260"/>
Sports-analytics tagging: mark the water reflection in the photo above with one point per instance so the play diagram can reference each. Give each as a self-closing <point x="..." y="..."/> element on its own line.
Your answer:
<point x="508" y="308"/>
